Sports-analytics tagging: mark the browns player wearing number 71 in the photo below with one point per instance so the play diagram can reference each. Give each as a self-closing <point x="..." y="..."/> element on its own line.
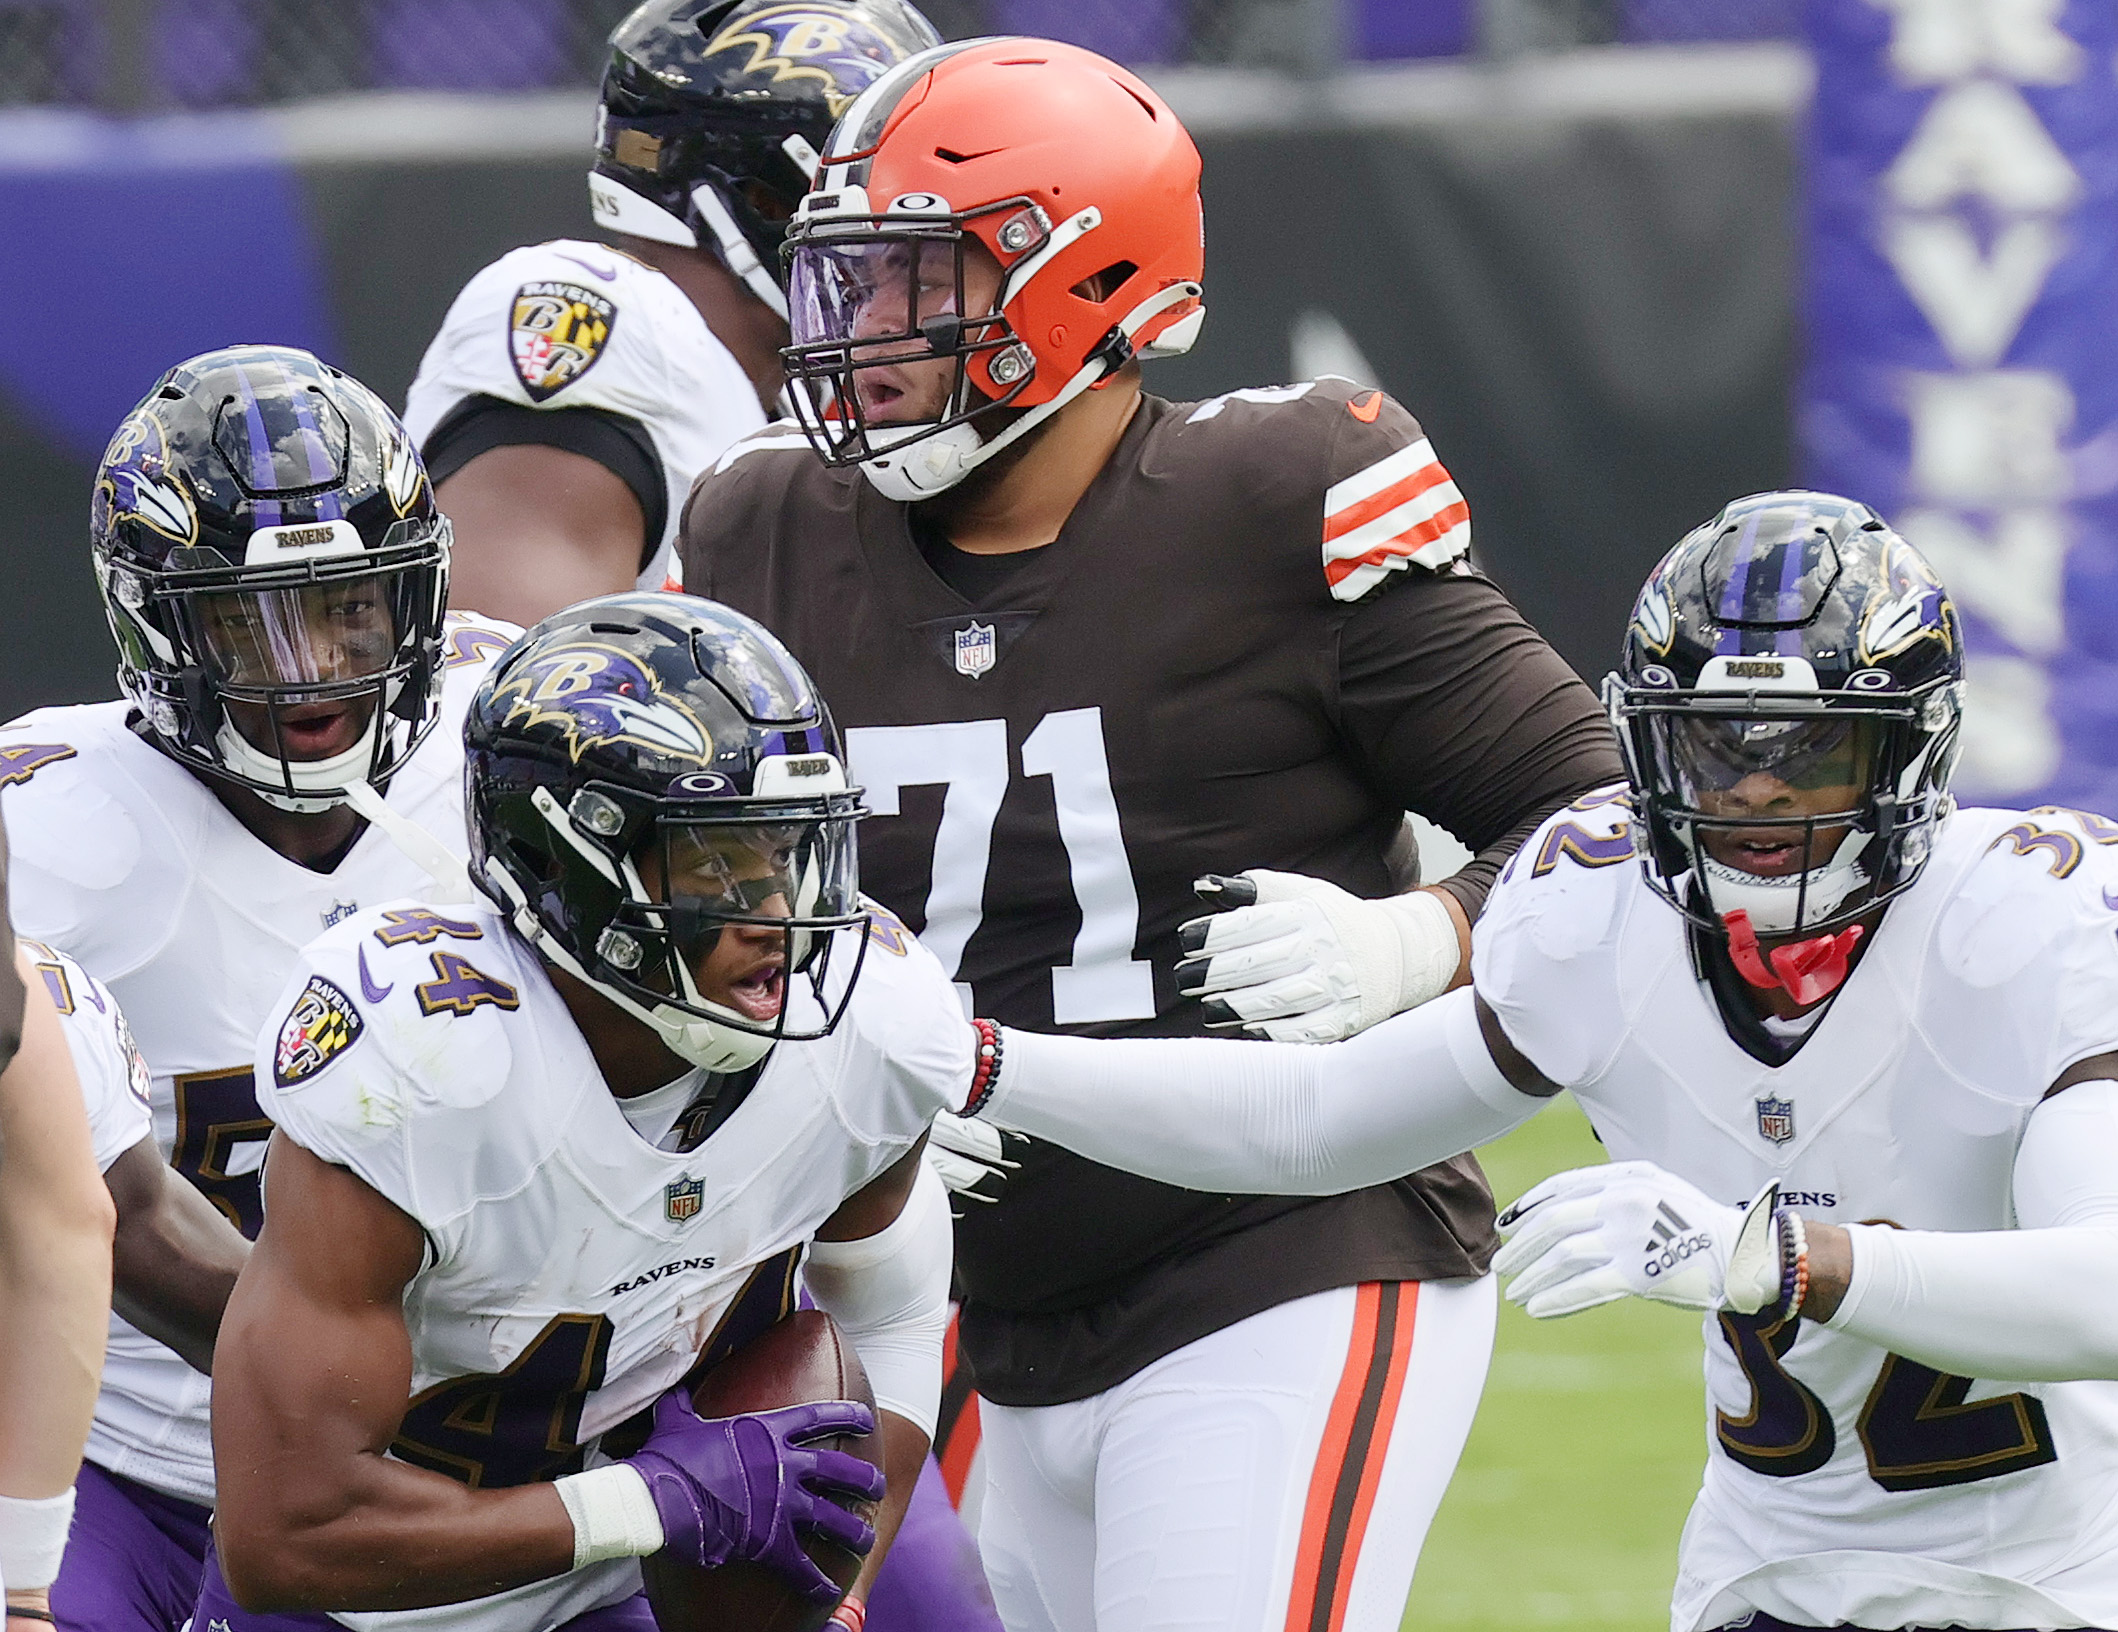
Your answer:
<point x="1090" y="645"/>
<point x="275" y="574"/>
<point x="1778" y="969"/>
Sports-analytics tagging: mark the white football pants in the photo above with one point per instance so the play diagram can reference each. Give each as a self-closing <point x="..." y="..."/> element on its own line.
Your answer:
<point x="1276" y="1476"/>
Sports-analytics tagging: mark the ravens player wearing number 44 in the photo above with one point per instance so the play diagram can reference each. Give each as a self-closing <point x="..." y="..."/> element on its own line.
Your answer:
<point x="1777" y="969"/>
<point x="1090" y="645"/>
<point x="543" y="1159"/>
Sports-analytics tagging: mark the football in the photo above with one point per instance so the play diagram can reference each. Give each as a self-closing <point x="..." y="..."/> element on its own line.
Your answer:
<point x="803" y="1358"/>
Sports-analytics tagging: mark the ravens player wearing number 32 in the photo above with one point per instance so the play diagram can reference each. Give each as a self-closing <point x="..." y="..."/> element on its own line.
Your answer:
<point x="1778" y="969"/>
<point x="544" y="1158"/>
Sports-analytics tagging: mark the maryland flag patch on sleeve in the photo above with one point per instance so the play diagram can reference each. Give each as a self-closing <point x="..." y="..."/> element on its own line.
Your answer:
<point x="556" y="331"/>
<point x="322" y="1025"/>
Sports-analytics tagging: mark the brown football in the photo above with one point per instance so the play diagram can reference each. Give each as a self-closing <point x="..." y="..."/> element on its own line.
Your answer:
<point x="803" y="1358"/>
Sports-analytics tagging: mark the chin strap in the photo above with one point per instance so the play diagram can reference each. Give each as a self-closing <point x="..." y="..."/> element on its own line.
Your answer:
<point x="1809" y="971"/>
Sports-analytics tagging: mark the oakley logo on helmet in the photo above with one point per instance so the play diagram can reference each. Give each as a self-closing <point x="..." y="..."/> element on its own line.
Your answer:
<point x="838" y="51"/>
<point x="596" y="694"/>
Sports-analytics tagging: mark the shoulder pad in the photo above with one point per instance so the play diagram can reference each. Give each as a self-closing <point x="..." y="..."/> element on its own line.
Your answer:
<point x="908" y="1043"/>
<point x="780" y="436"/>
<point x="116" y="1085"/>
<point x="98" y="825"/>
<point x="412" y="988"/>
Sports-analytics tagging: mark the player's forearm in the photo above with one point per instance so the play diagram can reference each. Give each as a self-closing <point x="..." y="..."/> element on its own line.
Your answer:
<point x="905" y="1446"/>
<point x="889" y="1293"/>
<point x="56" y="1222"/>
<point x="1266" y="1118"/>
<point x="368" y="1533"/>
<point x="177" y="1258"/>
<point x="2022" y="1304"/>
<point x="2017" y="1304"/>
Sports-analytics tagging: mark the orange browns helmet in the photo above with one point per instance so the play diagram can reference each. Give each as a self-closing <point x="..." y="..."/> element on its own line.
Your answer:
<point x="1073" y="176"/>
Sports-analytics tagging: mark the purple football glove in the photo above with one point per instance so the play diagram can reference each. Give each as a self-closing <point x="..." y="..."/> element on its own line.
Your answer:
<point x="746" y="1487"/>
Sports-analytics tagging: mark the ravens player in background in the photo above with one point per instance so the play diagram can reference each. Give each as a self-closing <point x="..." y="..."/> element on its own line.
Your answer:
<point x="672" y="1038"/>
<point x="1091" y="645"/>
<point x="1888" y="1026"/>
<point x="575" y="390"/>
<point x="275" y="574"/>
<point x="55" y="1250"/>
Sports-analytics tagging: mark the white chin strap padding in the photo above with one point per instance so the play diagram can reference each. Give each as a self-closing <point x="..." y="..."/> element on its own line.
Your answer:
<point x="318" y="783"/>
<point x="1775" y="903"/>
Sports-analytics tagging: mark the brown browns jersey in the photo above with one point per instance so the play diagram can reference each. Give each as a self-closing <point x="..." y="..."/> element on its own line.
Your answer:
<point x="1256" y="643"/>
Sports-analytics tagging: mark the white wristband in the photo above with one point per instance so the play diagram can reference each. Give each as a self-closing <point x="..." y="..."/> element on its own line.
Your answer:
<point x="33" y="1539"/>
<point x="613" y="1514"/>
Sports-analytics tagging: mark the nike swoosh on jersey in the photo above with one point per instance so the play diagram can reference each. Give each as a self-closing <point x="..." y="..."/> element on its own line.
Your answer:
<point x="607" y="277"/>
<point x="368" y="989"/>
<point x="1366" y="408"/>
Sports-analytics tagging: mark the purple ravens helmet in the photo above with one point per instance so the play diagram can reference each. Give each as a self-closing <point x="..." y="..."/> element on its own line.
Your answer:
<point x="1794" y="638"/>
<point x="275" y="573"/>
<point x="714" y="112"/>
<point x="646" y="771"/>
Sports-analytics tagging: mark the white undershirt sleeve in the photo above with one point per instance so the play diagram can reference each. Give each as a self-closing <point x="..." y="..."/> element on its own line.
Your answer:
<point x="2027" y="1304"/>
<point x="1290" y="1119"/>
<point x="890" y="1293"/>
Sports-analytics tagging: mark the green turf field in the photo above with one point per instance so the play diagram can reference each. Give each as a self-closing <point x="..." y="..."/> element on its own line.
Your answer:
<point x="1583" y="1460"/>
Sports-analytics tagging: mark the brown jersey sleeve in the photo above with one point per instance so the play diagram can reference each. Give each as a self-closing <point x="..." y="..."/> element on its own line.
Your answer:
<point x="1458" y="709"/>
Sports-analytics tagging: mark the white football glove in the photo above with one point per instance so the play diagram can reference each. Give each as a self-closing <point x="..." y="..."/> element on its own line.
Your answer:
<point x="965" y="1152"/>
<point x="1310" y="963"/>
<point x="1631" y="1229"/>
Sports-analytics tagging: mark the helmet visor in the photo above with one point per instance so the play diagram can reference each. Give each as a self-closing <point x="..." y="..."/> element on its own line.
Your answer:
<point x="733" y="908"/>
<point x="317" y="634"/>
<point x="868" y="293"/>
<point x="881" y="343"/>
<point x="1715" y="762"/>
<point x="725" y="872"/>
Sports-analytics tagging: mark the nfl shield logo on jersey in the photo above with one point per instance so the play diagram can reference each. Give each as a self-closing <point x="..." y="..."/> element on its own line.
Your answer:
<point x="1776" y="1119"/>
<point x="975" y="649"/>
<point x="339" y="912"/>
<point x="683" y="1199"/>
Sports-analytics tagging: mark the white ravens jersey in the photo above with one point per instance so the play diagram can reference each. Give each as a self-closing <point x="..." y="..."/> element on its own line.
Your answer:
<point x="1845" y="1484"/>
<point x="115" y="1085"/>
<point x="125" y="860"/>
<point x="575" y="324"/>
<point x="576" y="1270"/>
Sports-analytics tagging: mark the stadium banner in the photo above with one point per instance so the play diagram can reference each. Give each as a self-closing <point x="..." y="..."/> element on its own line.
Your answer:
<point x="1962" y="368"/>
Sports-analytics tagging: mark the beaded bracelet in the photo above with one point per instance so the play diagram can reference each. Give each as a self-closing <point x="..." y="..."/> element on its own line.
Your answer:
<point x="1794" y="1262"/>
<point x="987" y="1076"/>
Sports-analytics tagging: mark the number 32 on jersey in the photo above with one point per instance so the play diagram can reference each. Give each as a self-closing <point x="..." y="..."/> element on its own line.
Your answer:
<point x="969" y="758"/>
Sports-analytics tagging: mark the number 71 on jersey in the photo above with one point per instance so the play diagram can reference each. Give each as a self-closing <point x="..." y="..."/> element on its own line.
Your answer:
<point x="969" y="758"/>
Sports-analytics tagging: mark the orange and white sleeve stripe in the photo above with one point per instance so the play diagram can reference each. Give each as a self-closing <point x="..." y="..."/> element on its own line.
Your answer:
<point x="1403" y="508"/>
